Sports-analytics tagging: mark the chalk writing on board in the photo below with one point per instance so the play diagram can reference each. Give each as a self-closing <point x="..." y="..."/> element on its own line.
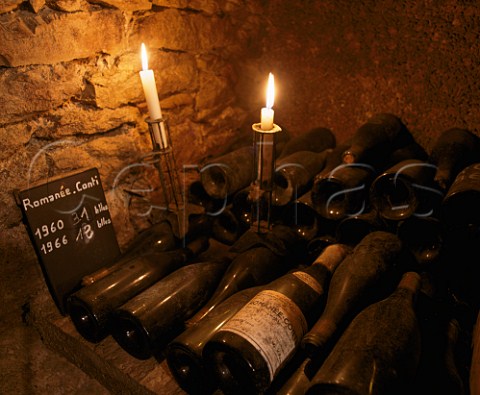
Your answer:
<point x="70" y="227"/>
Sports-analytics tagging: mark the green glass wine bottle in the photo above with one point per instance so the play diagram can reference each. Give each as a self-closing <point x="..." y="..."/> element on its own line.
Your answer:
<point x="294" y="175"/>
<point x="145" y="324"/>
<point x="184" y="353"/>
<point x="406" y="189"/>
<point x="370" y="273"/>
<point x="375" y="140"/>
<point x="259" y="261"/>
<point x="90" y="307"/>
<point x="379" y="351"/>
<point x="157" y="238"/>
<point x="247" y="353"/>
<point x="317" y="139"/>
<point x="453" y="150"/>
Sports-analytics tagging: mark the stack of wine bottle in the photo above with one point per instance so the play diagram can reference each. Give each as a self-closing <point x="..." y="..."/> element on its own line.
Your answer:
<point x="365" y="283"/>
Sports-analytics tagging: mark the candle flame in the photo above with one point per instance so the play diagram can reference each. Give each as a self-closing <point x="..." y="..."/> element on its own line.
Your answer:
<point x="144" y="57"/>
<point x="270" y="91"/>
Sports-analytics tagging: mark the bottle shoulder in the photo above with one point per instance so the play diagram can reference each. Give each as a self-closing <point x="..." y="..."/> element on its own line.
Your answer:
<point x="387" y="324"/>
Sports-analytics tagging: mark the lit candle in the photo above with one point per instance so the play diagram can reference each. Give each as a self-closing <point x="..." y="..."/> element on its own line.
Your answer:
<point x="267" y="112"/>
<point x="151" y="95"/>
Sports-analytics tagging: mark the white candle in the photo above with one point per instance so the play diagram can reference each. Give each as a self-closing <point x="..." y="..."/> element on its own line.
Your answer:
<point x="151" y="95"/>
<point x="267" y="112"/>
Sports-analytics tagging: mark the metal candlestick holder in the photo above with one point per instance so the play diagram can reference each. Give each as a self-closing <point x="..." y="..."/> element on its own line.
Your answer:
<point x="264" y="148"/>
<point x="162" y="158"/>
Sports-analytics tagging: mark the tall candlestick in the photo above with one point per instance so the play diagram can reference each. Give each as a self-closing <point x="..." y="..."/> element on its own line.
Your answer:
<point x="267" y="112"/>
<point x="261" y="188"/>
<point x="151" y="95"/>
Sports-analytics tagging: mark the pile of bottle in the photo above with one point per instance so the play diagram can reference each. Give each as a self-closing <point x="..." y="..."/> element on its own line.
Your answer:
<point x="365" y="283"/>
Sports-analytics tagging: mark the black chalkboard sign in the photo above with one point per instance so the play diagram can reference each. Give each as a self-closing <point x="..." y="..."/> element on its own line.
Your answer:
<point x="69" y="223"/>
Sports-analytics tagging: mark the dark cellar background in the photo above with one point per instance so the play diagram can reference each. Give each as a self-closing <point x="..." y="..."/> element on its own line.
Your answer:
<point x="70" y="97"/>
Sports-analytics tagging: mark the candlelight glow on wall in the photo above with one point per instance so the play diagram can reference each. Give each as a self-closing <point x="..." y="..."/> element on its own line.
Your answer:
<point x="267" y="112"/>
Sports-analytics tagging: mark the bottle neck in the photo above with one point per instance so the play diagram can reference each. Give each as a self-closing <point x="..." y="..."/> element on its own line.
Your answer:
<point x="332" y="255"/>
<point x="195" y="247"/>
<point x="349" y="156"/>
<point x="409" y="285"/>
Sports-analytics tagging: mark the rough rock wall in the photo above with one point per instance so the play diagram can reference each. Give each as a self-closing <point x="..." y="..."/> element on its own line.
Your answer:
<point x="338" y="62"/>
<point x="71" y="97"/>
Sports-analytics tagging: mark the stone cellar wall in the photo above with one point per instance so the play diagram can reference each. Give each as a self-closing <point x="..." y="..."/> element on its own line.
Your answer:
<point x="71" y="97"/>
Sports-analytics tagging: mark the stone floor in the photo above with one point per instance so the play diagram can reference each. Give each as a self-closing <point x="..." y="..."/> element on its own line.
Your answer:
<point x="27" y="366"/>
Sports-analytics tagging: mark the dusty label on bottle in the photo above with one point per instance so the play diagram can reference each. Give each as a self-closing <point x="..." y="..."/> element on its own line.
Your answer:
<point x="310" y="281"/>
<point x="273" y="324"/>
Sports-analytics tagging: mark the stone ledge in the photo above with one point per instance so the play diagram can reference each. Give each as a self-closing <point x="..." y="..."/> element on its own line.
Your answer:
<point x="106" y="361"/>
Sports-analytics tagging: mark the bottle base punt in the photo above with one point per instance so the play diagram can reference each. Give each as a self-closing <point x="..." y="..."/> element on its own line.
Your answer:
<point x="214" y="181"/>
<point x="188" y="370"/>
<point x="86" y="323"/>
<point x="130" y="335"/>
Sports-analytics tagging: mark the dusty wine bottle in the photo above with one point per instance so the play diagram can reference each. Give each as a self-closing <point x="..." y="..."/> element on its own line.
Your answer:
<point x="302" y="158"/>
<point x="352" y="229"/>
<point x="256" y="264"/>
<point x="247" y="210"/>
<point x="437" y="371"/>
<point x="454" y="149"/>
<point x="254" y="267"/>
<point x="242" y="208"/>
<point x="225" y="227"/>
<point x="460" y="208"/>
<point x="423" y="236"/>
<point x="199" y="196"/>
<point x="294" y="175"/>
<point x="374" y="141"/>
<point x="406" y="189"/>
<point x="334" y="158"/>
<point x="314" y="140"/>
<point x="318" y="244"/>
<point x="334" y="183"/>
<point x="459" y="262"/>
<point x="184" y="353"/>
<point x="368" y="274"/>
<point x="409" y="151"/>
<point x="148" y="321"/>
<point x="343" y="191"/>
<point x="300" y="216"/>
<point x="246" y="354"/>
<point x="90" y="307"/>
<point x="379" y="351"/>
<point x="286" y="373"/>
<point x="227" y="174"/>
<point x="157" y="238"/>
<point x="299" y="381"/>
